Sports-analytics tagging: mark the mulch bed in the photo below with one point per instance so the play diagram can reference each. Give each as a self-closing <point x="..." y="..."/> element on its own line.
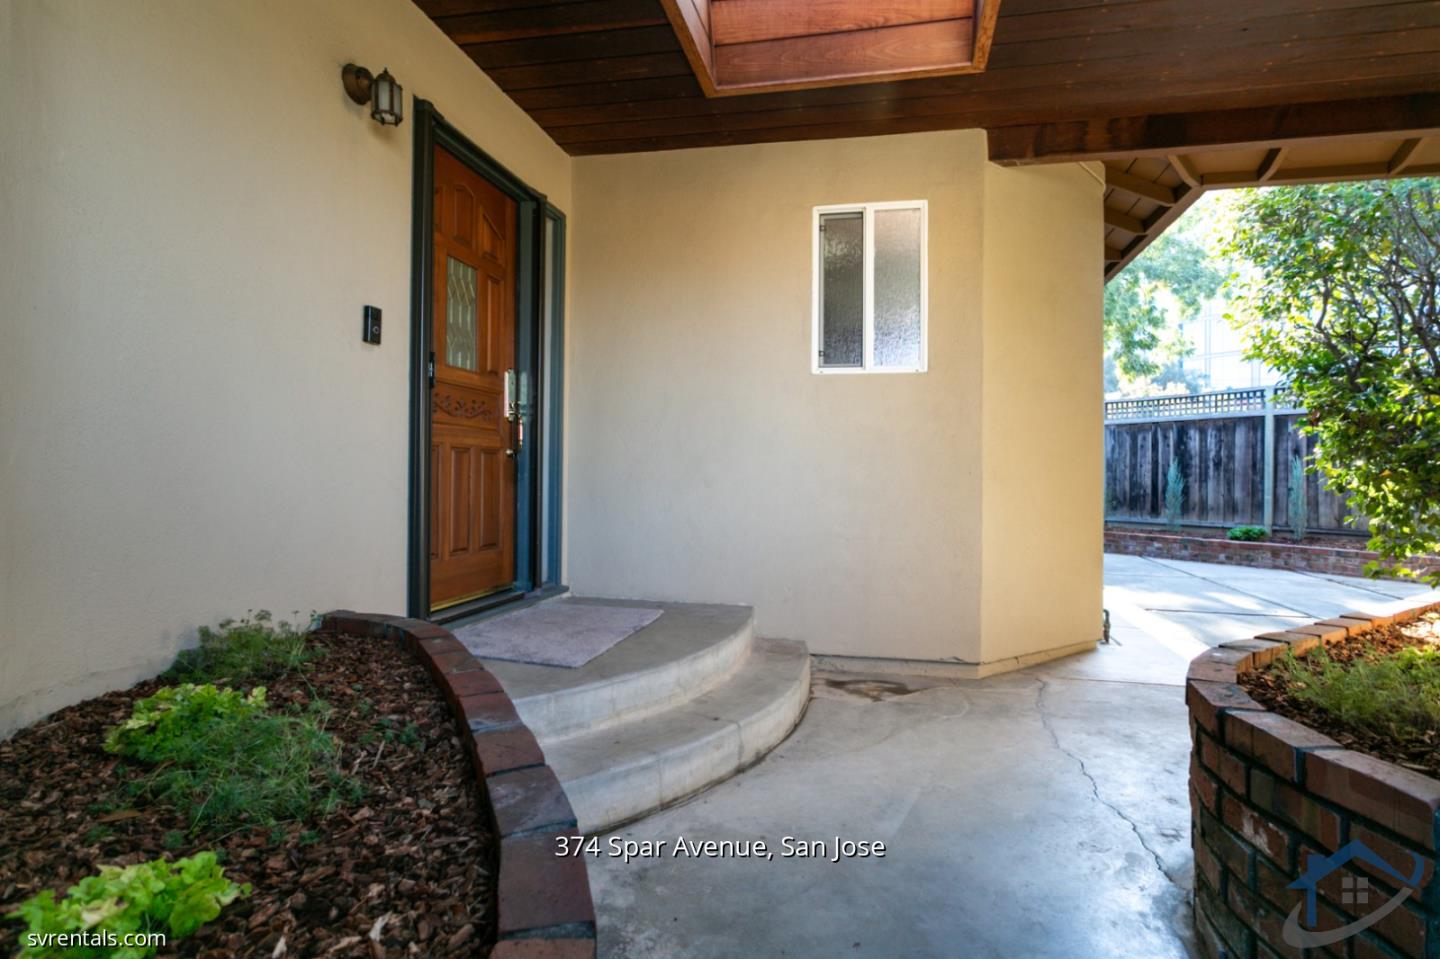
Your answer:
<point x="1270" y="689"/>
<point x="412" y="861"/>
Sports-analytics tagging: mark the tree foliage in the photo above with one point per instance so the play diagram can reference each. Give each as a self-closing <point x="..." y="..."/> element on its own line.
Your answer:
<point x="1343" y="304"/>
<point x="1135" y="315"/>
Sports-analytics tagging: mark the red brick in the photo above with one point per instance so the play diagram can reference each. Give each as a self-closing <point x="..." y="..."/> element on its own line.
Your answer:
<point x="435" y="645"/>
<point x="1351" y="625"/>
<point x="1267" y="836"/>
<point x="529" y="799"/>
<point x="1299" y="808"/>
<point x="1209" y="700"/>
<point x="1367" y="946"/>
<point x="1238" y="939"/>
<point x="1404" y="928"/>
<point x="1299" y="643"/>
<point x="1205" y="786"/>
<point x="1266" y="920"/>
<point x="351" y="623"/>
<point x="477" y="682"/>
<point x="1401" y="800"/>
<point x="1262" y="650"/>
<point x="489" y="709"/>
<point x="1208" y="866"/>
<point x="1272" y="885"/>
<point x="1400" y="857"/>
<point x="1375" y="619"/>
<point x="1277" y="742"/>
<point x="1218" y="665"/>
<point x="419" y="628"/>
<point x="538" y="888"/>
<point x="1327" y="634"/>
<point x="501" y="750"/>
<point x="544" y="949"/>
<point x="1236" y="855"/>
<point x="452" y="662"/>
<point x="1224" y="764"/>
<point x="1211" y="945"/>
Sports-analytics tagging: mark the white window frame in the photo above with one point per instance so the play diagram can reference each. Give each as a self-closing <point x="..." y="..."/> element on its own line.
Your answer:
<point x="867" y="211"/>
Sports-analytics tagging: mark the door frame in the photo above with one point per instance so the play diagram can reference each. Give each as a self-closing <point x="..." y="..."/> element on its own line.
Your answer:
<point x="432" y="131"/>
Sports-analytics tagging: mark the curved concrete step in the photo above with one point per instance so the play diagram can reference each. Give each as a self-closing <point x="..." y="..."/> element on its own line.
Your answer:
<point x="691" y="648"/>
<point x="615" y="774"/>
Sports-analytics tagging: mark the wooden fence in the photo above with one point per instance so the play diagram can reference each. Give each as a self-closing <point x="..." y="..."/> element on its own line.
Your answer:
<point x="1234" y="450"/>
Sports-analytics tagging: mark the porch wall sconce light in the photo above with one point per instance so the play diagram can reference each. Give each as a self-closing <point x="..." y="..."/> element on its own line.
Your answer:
<point x="385" y="96"/>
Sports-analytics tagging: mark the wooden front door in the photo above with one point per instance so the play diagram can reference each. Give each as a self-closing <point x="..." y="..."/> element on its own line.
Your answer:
<point x="472" y="468"/>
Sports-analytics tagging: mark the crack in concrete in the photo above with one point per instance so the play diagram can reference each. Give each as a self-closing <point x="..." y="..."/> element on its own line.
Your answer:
<point x="1095" y="785"/>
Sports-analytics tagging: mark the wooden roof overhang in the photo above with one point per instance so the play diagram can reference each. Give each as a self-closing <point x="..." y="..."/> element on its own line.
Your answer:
<point x="1183" y="95"/>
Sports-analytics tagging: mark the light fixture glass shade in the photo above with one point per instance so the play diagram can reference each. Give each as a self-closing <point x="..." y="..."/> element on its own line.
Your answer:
<point x="387" y="100"/>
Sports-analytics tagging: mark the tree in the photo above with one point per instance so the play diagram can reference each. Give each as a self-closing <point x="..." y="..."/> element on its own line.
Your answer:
<point x="1343" y="304"/>
<point x="1136" y="319"/>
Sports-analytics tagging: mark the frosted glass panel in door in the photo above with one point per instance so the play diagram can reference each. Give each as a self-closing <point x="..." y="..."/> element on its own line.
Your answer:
<point x="460" y="315"/>
<point x="842" y="289"/>
<point x="897" y="288"/>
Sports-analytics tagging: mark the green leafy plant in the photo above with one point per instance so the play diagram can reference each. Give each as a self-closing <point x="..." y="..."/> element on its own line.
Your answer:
<point x="1174" y="494"/>
<point x="171" y="898"/>
<point x="160" y="725"/>
<point x="225" y="761"/>
<point x="252" y="648"/>
<point x="1396" y="695"/>
<point x="1342" y="304"/>
<point x="1141" y="343"/>
<point x="1246" y="534"/>
<point x="1298" y="502"/>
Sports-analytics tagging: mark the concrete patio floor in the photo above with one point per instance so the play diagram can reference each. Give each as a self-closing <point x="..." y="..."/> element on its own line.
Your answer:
<point x="1038" y="813"/>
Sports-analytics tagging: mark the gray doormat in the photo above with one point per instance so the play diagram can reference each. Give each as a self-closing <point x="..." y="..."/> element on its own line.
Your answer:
<point x="557" y="633"/>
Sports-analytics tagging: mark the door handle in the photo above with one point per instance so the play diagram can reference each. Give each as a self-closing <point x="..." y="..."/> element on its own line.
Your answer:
<point x="512" y="412"/>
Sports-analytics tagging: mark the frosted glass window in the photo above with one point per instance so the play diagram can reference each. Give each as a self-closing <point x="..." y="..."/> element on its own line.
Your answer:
<point x="870" y="298"/>
<point x="461" y="316"/>
<point x="897" y="288"/>
<point x="842" y="289"/>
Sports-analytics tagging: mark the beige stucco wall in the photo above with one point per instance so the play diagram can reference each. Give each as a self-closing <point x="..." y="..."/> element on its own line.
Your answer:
<point x="1042" y="453"/>
<point x="708" y="463"/>
<point x="192" y="215"/>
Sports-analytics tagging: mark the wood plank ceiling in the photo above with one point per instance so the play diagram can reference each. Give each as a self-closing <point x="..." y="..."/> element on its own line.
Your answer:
<point x="1218" y="84"/>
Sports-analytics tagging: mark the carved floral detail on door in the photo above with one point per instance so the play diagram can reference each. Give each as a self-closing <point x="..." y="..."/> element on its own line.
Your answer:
<point x="467" y="408"/>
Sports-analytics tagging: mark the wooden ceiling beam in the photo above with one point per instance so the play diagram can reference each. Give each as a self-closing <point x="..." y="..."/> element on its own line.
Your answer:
<point x="1140" y="187"/>
<point x="1404" y="156"/>
<point x="1271" y="164"/>
<point x="1125" y="222"/>
<point x="1164" y="134"/>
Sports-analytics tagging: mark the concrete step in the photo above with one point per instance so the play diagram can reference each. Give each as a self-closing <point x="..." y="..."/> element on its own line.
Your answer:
<point x="623" y="771"/>
<point x="690" y="649"/>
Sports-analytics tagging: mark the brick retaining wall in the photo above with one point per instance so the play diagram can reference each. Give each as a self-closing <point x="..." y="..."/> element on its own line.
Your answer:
<point x="543" y="900"/>
<point x="1266" y="792"/>
<point x="1334" y="560"/>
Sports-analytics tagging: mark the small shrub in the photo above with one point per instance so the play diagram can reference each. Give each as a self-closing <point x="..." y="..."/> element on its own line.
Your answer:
<point x="1395" y="695"/>
<point x="174" y="898"/>
<point x="1174" y="494"/>
<point x="224" y="761"/>
<point x="1246" y="534"/>
<point x="160" y="725"/>
<point x="253" y="648"/>
<point x="1299" y="503"/>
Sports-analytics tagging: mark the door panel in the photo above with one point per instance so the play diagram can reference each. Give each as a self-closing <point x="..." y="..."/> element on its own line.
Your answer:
<point x="472" y="548"/>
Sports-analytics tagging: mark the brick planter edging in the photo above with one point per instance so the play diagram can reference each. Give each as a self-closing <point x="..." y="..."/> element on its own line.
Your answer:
<point x="1265" y="554"/>
<point x="1266" y="792"/>
<point x="544" y="909"/>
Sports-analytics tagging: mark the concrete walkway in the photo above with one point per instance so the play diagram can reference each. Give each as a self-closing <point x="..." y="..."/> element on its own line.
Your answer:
<point x="1040" y="813"/>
